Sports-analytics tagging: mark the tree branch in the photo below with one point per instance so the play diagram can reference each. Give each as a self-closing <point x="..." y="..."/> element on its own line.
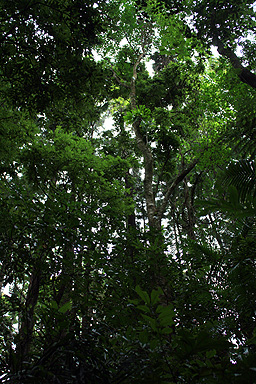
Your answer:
<point x="172" y="187"/>
<point x="118" y="79"/>
<point x="244" y="74"/>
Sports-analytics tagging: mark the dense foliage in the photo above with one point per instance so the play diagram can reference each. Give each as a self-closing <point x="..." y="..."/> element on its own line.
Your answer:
<point x="128" y="192"/>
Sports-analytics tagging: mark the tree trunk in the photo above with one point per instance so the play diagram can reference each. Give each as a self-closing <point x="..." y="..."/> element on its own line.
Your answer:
<point x="27" y="322"/>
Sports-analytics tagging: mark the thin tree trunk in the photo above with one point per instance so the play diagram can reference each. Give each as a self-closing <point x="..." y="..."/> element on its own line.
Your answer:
<point x="27" y="322"/>
<point x="146" y="152"/>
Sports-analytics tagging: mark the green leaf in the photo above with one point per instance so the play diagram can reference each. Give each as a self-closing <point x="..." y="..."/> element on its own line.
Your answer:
<point x="66" y="307"/>
<point x="166" y="315"/>
<point x="143" y="336"/>
<point x="233" y="196"/>
<point x="210" y="354"/>
<point x="143" y="294"/>
<point x="153" y="344"/>
<point x="155" y="295"/>
<point x="134" y="301"/>
<point x="54" y="305"/>
<point x="143" y="308"/>
<point x="151" y="322"/>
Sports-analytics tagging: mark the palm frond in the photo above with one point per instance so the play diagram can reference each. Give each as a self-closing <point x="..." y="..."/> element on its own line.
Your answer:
<point x="241" y="174"/>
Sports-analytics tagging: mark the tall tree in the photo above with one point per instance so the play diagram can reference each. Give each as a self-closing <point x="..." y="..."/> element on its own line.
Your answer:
<point x="128" y="248"/>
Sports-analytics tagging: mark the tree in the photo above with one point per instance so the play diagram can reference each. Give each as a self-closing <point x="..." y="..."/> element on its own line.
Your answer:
<point x="128" y="250"/>
<point x="228" y="26"/>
